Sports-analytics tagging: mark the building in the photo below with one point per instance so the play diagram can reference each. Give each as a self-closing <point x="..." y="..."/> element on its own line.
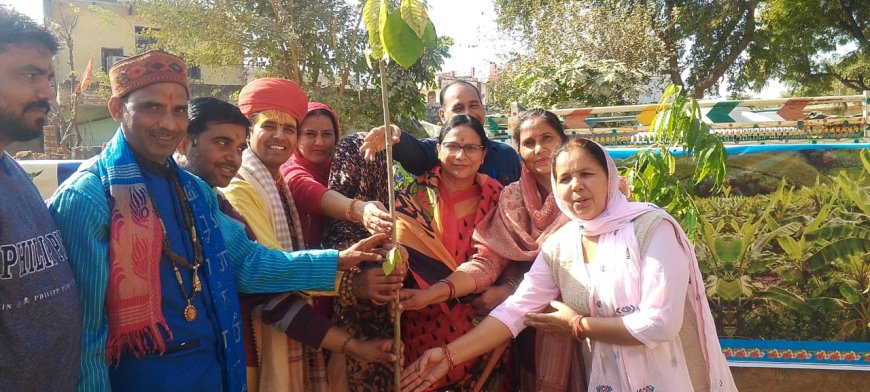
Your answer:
<point x="107" y="31"/>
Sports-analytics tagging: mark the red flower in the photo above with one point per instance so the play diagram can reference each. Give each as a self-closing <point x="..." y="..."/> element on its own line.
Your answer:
<point x="821" y="356"/>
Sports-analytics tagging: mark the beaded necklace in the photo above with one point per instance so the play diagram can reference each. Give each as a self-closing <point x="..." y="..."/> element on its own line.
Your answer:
<point x="190" y="311"/>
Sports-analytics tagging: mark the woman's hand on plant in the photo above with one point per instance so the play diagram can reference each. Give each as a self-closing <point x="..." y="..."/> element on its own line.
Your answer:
<point x="375" y="217"/>
<point x="374" y="141"/>
<point x="362" y="251"/>
<point x="425" y="371"/>
<point x="372" y="284"/>
<point x="380" y="350"/>
<point x="558" y="322"/>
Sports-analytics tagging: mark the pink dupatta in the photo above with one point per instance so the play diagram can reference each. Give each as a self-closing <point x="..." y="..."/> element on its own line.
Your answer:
<point x="621" y="292"/>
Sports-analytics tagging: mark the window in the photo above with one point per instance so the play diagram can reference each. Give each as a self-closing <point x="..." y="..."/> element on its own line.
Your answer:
<point x="194" y="72"/>
<point x="109" y="56"/>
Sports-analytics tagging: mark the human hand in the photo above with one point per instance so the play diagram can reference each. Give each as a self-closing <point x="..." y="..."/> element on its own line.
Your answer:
<point x="491" y="297"/>
<point x="380" y="350"/>
<point x="362" y="251"/>
<point x="375" y="217"/>
<point x="624" y="188"/>
<point x="372" y="284"/>
<point x="413" y="299"/>
<point x="558" y="322"/>
<point x="374" y="141"/>
<point x="425" y="371"/>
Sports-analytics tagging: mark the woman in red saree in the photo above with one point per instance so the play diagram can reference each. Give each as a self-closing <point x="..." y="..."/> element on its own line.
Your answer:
<point x="436" y="217"/>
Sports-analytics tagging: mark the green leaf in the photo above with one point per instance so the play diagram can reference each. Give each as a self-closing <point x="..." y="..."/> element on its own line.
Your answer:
<point x="430" y="39"/>
<point x="414" y="14"/>
<point x="371" y="20"/>
<point x="382" y="21"/>
<point x="787" y="298"/>
<point x="400" y="41"/>
<point x="394" y="259"/>
<point x="849" y="293"/>
<point x="847" y="241"/>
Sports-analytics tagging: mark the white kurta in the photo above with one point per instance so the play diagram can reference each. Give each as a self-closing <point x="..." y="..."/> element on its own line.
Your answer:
<point x="657" y="321"/>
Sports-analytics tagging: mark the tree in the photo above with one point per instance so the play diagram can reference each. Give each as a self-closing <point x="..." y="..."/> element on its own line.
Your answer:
<point x="66" y="114"/>
<point x="700" y="39"/>
<point x="320" y="45"/>
<point x="814" y="46"/>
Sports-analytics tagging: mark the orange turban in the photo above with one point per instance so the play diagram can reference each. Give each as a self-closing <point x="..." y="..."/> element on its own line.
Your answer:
<point x="273" y="94"/>
<point x="145" y="69"/>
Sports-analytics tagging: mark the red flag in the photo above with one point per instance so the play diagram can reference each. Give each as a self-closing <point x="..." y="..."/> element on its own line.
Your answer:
<point x="86" y="76"/>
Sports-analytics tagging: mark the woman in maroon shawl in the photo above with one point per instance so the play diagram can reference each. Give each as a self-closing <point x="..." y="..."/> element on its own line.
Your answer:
<point x="513" y="232"/>
<point x="307" y="173"/>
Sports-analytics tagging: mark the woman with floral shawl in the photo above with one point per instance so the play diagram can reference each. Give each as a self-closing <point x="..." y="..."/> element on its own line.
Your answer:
<point x="631" y="286"/>
<point x="436" y="216"/>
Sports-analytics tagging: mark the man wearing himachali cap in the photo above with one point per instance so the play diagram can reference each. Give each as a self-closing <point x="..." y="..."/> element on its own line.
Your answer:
<point x="157" y="264"/>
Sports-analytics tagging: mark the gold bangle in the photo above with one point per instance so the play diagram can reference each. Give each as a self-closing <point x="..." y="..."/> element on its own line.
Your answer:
<point x="344" y="345"/>
<point x="349" y="209"/>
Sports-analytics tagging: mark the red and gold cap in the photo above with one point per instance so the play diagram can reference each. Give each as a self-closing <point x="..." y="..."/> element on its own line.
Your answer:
<point x="145" y="69"/>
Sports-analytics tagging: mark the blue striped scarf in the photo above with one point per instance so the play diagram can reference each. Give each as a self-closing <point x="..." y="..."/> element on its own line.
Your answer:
<point x="134" y="221"/>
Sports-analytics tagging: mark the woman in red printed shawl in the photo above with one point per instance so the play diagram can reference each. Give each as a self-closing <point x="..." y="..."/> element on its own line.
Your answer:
<point x="437" y="214"/>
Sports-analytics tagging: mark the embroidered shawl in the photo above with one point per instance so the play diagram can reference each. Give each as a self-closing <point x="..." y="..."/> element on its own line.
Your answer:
<point x="133" y="295"/>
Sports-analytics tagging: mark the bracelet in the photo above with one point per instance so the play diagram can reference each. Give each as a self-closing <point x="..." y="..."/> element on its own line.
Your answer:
<point x="349" y="209"/>
<point x="514" y="283"/>
<point x="450" y="363"/>
<point x="344" y="345"/>
<point x="451" y="287"/>
<point x="577" y="328"/>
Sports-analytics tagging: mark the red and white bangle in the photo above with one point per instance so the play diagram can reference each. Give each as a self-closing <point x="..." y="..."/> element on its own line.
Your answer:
<point x="450" y="363"/>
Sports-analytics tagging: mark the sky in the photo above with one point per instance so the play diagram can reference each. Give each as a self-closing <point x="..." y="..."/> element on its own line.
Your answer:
<point x="471" y="24"/>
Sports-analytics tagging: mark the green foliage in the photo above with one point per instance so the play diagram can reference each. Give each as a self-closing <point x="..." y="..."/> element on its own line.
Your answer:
<point x="700" y="39"/>
<point x="814" y="46"/>
<point x="401" y="41"/>
<point x="792" y="264"/>
<point x="576" y="82"/>
<point x="677" y="125"/>
<point x="393" y="260"/>
<point x="321" y="45"/>
<point x="402" y="33"/>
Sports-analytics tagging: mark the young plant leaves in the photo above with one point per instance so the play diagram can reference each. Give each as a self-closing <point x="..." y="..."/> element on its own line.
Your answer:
<point x="414" y="14"/>
<point x="370" y="14"/>
<point x="400" y="41"/>
<point x="394" y="259"/>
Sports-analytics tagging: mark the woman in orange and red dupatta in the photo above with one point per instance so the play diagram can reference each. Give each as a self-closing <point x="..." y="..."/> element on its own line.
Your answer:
<point x="436" y="217"/>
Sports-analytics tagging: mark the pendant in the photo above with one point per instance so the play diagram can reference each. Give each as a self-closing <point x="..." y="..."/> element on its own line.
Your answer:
<point x="189" y="312"/>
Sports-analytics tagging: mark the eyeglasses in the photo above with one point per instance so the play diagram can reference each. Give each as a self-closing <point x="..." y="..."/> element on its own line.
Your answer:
<point x="468" y="149"/>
